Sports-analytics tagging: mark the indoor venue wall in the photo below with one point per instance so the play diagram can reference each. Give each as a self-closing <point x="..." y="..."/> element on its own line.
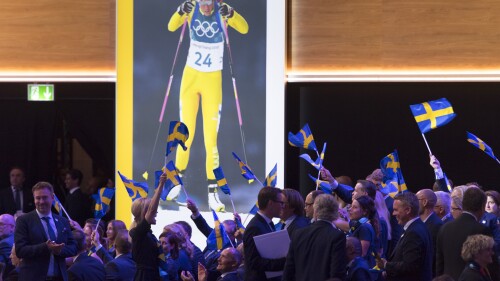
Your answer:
<point x="31" y="132"/>
<point x="364" y="122"/>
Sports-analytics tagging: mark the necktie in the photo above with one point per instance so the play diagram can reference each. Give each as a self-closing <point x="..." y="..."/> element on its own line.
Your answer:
<point x="271" y="224"/>
<point x="18" y="198"/>
<point x="52" y="234"/>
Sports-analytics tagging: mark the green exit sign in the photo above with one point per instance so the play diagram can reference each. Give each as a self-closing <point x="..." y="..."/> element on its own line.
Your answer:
<point x="40" y="92"/>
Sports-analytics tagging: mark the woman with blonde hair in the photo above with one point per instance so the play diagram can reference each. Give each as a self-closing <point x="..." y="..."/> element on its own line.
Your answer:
<point x="477" y="252"/>
<point x="145" y="247"/>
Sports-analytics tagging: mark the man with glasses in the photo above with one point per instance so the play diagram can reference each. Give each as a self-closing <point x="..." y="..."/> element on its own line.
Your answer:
<point x="292" y="215"/>
<point x="7" y="224"/>
<point x="271" y="203"/>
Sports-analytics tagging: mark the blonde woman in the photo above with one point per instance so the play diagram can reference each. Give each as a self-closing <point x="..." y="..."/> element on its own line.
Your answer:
<point x="145" y="246"/>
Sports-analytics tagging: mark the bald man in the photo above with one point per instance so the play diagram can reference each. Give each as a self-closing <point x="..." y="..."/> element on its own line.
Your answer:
<point x="427" y="201"/>
<point x="7" y="225"/>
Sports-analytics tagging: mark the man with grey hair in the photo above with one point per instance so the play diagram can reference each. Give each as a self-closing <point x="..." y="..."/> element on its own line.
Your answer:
<point x="7" y="225"/>
<point x="411" y="259"/>
<point x="318" y="251"/>
<point x="443" y="206"/>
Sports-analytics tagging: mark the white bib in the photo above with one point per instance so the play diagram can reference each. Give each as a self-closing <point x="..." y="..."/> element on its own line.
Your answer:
<point x="205" y="57"/>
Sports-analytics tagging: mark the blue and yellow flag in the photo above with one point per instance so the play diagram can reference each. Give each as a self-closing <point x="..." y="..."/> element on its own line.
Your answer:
<point x="102" y="200"/>
<point x="393" y="175"/>
<point x="246" y="172"/>
<point x="173" y="179"/>
<point x="477" y="142"/>
<point x="178" y="133"/>
<point x="57" y="205"/>
<point x="135" y="189"/>
<point x="217" y="239"/>
<point x="318" y="163"/>
<point x="272" y="177"/>
<point x="323" y="185"/>
<point x="221" y="180"/>
<point x="432" y="114"/>
<point x="303" y="138"/>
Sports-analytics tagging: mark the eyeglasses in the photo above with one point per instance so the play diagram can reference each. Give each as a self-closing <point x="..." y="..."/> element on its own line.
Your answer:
<point x="308" y="204"/>
<point x="456" y="209"/>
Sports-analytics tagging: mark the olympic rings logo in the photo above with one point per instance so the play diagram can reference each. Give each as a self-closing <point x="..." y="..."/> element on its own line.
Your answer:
<point x="205" y="28"/>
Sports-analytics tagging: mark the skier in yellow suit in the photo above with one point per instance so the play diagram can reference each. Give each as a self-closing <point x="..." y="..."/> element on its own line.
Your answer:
<point x="202" y="80"/>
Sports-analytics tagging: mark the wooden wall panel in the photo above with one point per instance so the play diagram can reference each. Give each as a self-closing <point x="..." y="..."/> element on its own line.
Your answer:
<point x="390" y="35"/>
<point x="57" y="35"/>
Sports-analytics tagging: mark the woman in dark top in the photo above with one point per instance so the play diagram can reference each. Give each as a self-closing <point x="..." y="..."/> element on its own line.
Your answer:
<point x="365" y="226"/>
<point x="145" y="247"/>
<point x="477" y="252"/>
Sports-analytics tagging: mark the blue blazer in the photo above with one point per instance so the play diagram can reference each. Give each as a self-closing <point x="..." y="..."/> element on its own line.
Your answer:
<point x="86" y="268"/>
<point x="297" y="223"/>
<point x="30" y="238"/>
<point x="5" y="249"/>
<point x="121" y="268"/>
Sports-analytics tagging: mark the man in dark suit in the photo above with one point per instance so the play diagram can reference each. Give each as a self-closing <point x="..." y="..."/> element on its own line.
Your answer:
<point x="453" y="234"/>
<point x="77" y="204"/>
<point x="270" y="201"/>
<point x="427" y="200"/>
<point x="16" y="200"/>
<point x="121" y="268"/>
<point x="292" y="214"/>
<point x="43" y="239"/>
<point x="318" y="251"/>
<point x="85" y="267"/>
<point x="412" y="256"/>
<point x="227" y="266"/>
<point x="7" y="225"/>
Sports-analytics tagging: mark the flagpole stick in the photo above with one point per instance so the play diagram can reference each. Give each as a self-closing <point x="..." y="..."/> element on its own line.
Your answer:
<point x="185" y="193"/>
<point x="259" y="182"/>
<point x="232" y="203"/>
<point x="497" y="160"/>
<point x="246" y="219"/>
<point x="428" y="148"/>
<point x="232" y="245"/>
<point x="64" y="210"/>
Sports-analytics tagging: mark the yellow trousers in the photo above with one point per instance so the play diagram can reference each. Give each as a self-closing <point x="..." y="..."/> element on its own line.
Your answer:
<point x="206" y="87"/>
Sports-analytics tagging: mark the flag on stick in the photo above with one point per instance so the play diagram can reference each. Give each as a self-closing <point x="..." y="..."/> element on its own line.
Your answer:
<point x="272" y="177"/>
<point x="432" y="114"/>
<point x="102" y="200"/>
<point x="178" y="133"/>
<point x="477" y="142"/>
<point x="391" y="169"/>
<point x="135" y="189"/>
<point x="303" y="138"/>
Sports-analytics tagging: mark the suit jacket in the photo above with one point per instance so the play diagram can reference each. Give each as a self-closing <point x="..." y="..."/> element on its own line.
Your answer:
<point x="121" y="268"/>
<point x="412" y="257"/>
<point x="79" y="206"/>
<point x="255" y="265"/>
<point x="433" y="224"/>
<point x="8" y="204"/>
<point x="472" y="272"/>
<point x="396" y="229"/>
<point x="449" y="244"/>
<point x="5" y="249"/>
<point x="297" y="223"/>
<point x="30" y="238"/>
<point x="86" y="268"/>
<point x="317" y="252"/>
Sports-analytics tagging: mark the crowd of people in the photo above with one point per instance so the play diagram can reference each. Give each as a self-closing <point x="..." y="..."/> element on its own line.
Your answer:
<point x="354" y="233"/>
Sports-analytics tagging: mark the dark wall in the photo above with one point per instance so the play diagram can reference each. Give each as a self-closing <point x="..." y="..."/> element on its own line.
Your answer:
<point x="363" y="122"/>
<point x="29" y="130"/>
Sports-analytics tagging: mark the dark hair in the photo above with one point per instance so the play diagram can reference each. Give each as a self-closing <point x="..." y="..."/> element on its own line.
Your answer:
<point x="474" y="200"/>
<point x="99" y="229"/>
<point x="76" y="175"/>
<point x="494" y="195"/>
<point x="368" y="205"/>
<point x="187" y="228"/>
<point x="295" y="201"/>
<point x="122" y="243"/>
<point x="409" y="199"/>
<point x="79" y="237"/>
<point x="267" y="194"/>
<point x="174" y="240"/>
<point x="369" y="187"/>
